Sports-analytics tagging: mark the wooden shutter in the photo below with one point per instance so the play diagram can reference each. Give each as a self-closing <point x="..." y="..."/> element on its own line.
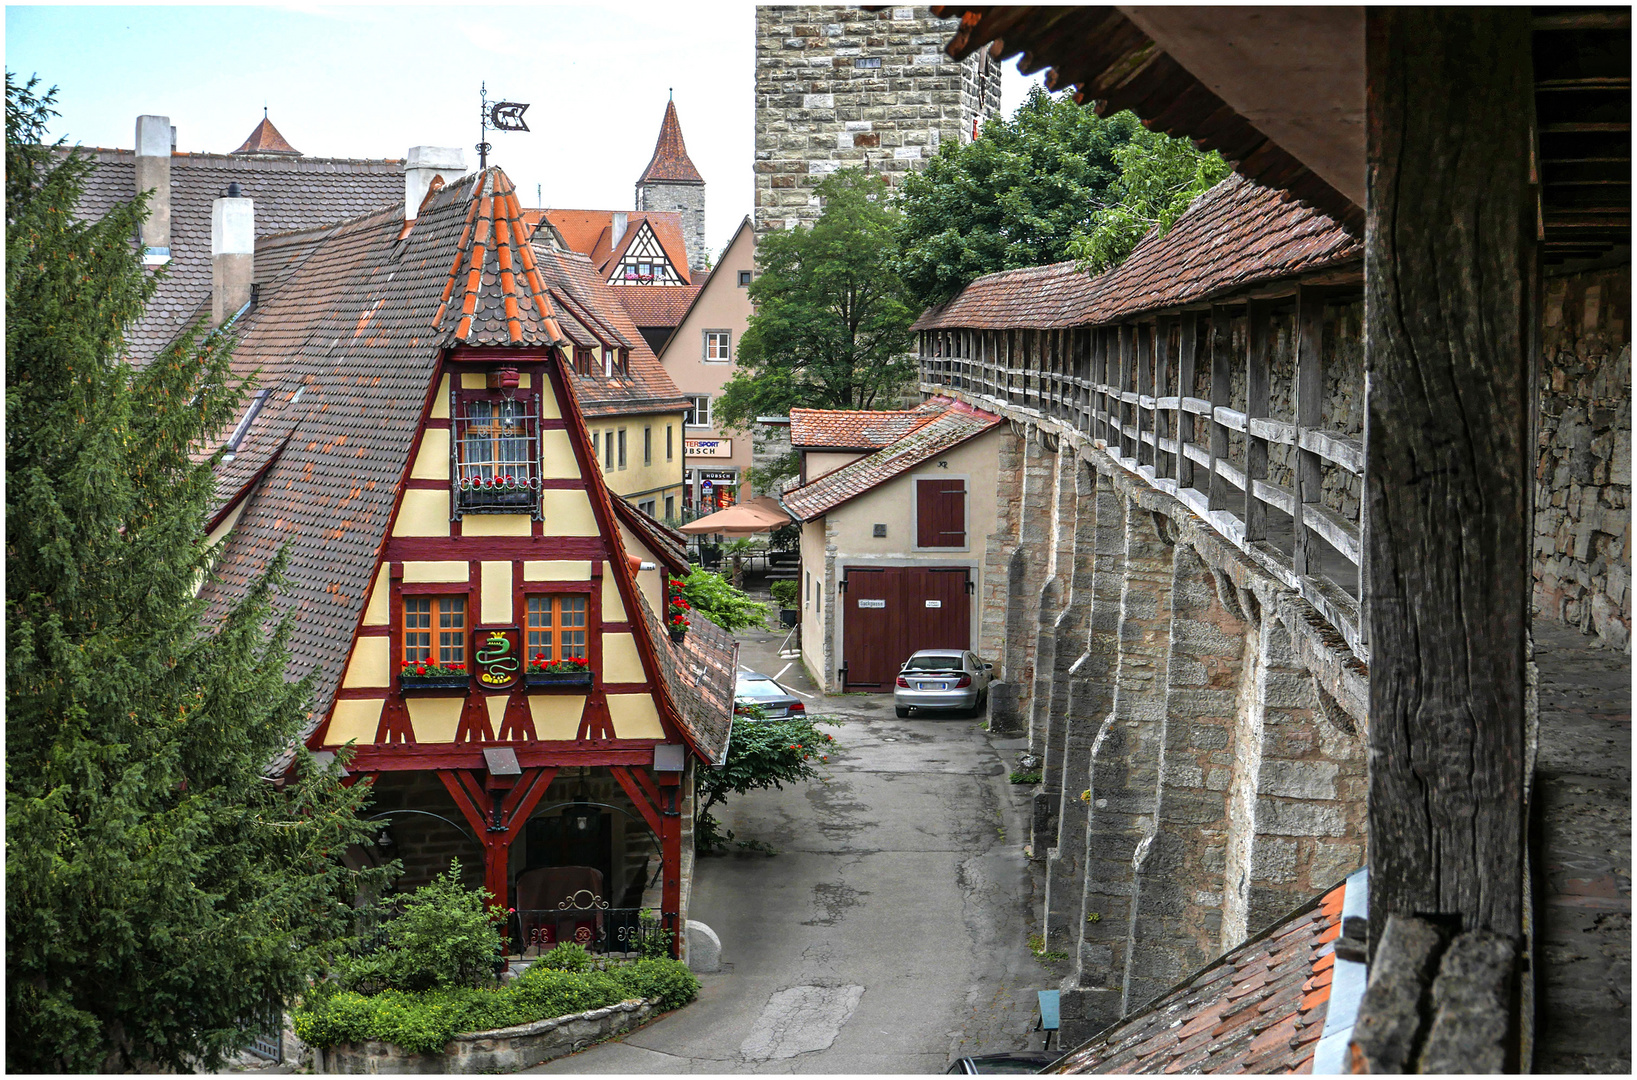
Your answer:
<point x="940" y="513"/>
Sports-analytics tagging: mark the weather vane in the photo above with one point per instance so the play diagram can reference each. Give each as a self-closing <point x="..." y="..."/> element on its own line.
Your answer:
<point x="502" y="116"/>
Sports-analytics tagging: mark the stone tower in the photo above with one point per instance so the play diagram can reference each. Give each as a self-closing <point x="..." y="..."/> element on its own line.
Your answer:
<point x="838" y="87"/>
<point x="670" y="182"/>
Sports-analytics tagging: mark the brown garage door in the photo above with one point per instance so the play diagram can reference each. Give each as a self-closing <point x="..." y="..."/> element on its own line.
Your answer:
<point x="891" y="612"/>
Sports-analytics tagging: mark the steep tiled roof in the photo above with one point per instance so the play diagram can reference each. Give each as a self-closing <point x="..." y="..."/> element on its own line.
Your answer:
<point x="664" y="541"/>
<point x="957" y="423"/>
<point x="1234" y="235"/>
<point x="495" y="294"/>
<point x="591" y="233"/>
<point x="346" y="338"/>
<point x="700" y="672"/>
<point x="846" y="429"/>
<point x="1258" y="1009"/>
<point x="670" y="163"/>
<point x="658" y="305"/>
<point x="645" y="387"/>
<point x="290" y="194"/>
<point x="266" y="140"/>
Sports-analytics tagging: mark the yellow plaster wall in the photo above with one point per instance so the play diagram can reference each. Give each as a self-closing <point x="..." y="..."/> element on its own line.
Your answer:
<point x="437" y="571"/>
<point x="497" y="592"/>
<point x="566" y="513"/>
<point x="495" y="525"/>
<point x="556" y="716"/>
<point x="557" y="456"/>
<point x="474" y="380"/>
<point x="497" y="710"/>
<point x="378" y="613"/>
<point x="651" y="582"/>
<point x="635" y="716"/>
<point x="613" y="606"/>
<point x="637" y="481"/>
<point x="549" y="408"/>
<point x="354" y="721"/>
<point x="423" y="513"/>
<point x="621" y="663"/>
<point x="432" y="461"/>
<point x="566" y="570"/>
<point x="435" y="719"/>
<point x="440" y="404"/>
<point x="220" y="532"/>
<point x="370" y="663"/>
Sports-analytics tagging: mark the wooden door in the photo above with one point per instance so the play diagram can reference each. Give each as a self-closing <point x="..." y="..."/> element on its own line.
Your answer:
<point x="891" y="612"/>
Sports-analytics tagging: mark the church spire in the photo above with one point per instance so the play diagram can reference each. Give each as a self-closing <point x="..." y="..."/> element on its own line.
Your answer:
<point x="670" y="161"/>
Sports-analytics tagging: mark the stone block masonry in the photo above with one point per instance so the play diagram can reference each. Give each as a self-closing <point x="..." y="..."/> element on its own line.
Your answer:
<point x="837" y="87"/>
<point x="1582" y="545"/>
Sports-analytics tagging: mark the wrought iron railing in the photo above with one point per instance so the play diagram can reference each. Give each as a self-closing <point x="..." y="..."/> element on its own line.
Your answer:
<point x="590" y="922"/>
<point x="1155" y="396"/>
<point x="495" y="458"/>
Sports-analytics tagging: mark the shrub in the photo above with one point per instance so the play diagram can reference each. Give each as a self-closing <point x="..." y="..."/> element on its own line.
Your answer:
<point x="445" y="937"/>
<point x="544" y="992"/>
<point x="787" y="593"/>
<point x="668" y="980"/>
<point x="566" y="956"/>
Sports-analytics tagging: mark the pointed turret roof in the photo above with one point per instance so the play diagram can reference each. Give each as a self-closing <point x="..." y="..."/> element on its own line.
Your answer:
<point x="495" y="294"/>
<point x="670" y="162"/>
<point x="267" y="140"/>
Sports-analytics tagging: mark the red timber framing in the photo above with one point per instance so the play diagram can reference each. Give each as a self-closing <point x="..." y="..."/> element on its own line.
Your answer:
<point x="498" y="807"/>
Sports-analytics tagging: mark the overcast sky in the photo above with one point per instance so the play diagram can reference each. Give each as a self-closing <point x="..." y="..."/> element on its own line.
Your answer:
<point x="372" y="81"/>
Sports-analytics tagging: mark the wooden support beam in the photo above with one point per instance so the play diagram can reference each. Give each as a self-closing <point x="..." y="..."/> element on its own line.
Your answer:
<point x="1128" y="349"/>
<point x="1256" y="406"/>
<point x="1448" y="255"/>
<point x="1162" y="387"/>
<point x="1309" y="395"/>
<point x="1145" y="388"/>
<point x="1187" y="351"/>
<point x="1221" y="387"/>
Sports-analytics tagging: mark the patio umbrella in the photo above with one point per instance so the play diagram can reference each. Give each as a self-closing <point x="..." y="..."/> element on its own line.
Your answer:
<point x="758" y="515"/>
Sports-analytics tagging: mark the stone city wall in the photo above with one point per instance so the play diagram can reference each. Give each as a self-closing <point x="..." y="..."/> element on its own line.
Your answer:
<point x="1582" y="542"/>
<point x="837" y="87"/>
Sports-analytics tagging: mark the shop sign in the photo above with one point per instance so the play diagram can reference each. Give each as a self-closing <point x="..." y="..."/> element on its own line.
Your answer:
<point x="707" y="447"/>
<point x="498" y="652"/>
<point x="720" y="476"/>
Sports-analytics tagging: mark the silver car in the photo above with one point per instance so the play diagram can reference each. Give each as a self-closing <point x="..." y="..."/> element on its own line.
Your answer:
<point x="942" y="679"/>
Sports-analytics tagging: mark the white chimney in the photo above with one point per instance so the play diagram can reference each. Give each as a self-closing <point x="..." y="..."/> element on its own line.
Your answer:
<point x="423" y="164"/>
<point x="155" y="138"/>
<point x="619" y="227"/>
<point x="232" y="253"/>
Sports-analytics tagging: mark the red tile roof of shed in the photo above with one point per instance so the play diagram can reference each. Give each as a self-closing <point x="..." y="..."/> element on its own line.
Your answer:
<point x="1259" y="1009"/>
<point x="1234" y="235"/>
<point x="854" y="429"/>
<point x="670" y="162"/>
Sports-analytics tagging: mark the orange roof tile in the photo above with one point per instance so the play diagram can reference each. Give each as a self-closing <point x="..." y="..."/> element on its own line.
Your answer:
<point x="657" y="305"/>
<point x="495" y="294"/>
<point x="670" y="163"/>
<point x="859" y="429"/>
<point x="266" y="140"/>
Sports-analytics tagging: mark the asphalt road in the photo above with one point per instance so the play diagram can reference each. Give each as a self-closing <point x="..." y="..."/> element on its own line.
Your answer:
<point x="888" y="935"/>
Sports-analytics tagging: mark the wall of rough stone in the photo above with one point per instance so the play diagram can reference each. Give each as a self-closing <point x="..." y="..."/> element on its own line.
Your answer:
<point x="689" y="201"/>
<point x="837" y="87"/>
<point x="1582" y="540"/>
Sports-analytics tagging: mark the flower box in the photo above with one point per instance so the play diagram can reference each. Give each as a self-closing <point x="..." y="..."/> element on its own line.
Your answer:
<point x="410" y="684"/>
<point x="557" y="678"/>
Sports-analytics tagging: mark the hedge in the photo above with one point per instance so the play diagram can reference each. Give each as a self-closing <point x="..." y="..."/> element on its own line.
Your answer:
<point x="425" y="1022"/>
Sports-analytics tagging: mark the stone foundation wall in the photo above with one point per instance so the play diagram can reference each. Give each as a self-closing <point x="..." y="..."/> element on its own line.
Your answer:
<point x="837" y="87"/>
<point x="1582" y="541"/>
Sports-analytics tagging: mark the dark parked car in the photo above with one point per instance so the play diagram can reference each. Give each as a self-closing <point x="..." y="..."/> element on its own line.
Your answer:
<point x="758" y="690"/>
<point x="1024" y="1061"/>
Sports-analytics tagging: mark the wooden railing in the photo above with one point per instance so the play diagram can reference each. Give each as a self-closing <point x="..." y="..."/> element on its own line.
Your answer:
<point x="1155" y="395"/>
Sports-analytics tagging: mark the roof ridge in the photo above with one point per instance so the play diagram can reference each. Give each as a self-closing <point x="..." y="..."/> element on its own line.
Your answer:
<point x="670" y="162"/>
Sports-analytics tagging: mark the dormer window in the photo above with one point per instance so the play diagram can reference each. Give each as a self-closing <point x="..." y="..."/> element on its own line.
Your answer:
<point x="497" y="450"/>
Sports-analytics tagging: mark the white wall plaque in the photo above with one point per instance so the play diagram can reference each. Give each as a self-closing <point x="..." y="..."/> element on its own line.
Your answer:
<point x="872" y="603"/>
<point x="935" y="603"/>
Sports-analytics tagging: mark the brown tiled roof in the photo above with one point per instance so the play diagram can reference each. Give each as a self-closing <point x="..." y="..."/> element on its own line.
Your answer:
<point x="1257" y="1009"/>
<point x="851" y="429"/>
<point x="347" y="339"/>
<point x="591" y="233"/>
<point x="1234" y="235"/>
<point x="670" y="163"/>
<point x="646" y="387"/>
<point x="658" y="305"/>
<point x="699" y="672"/>
<point x="956" y="424"/>
<point x="266" y="140"/>
<point x="289" y="193"/>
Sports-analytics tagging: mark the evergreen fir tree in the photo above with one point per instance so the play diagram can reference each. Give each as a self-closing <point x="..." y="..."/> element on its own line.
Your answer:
<point x="163" y="897"/>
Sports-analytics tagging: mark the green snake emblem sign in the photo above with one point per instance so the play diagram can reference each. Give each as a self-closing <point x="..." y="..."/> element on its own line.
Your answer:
<point x="499" y="657"/>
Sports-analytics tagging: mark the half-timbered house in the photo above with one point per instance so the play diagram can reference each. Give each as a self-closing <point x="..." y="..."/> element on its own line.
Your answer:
<point x="481" y="618"/>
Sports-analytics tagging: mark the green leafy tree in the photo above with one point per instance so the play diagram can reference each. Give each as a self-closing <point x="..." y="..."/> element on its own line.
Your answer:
<point x="831" y="322"/>
<point x="713" y="596"/>
<point x="163" y="898"/>
<point x="762" y="754"/>
<point x="1017" y="195"/>
<point x="1159" y="178"/>
<point x="444" y="935"/>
